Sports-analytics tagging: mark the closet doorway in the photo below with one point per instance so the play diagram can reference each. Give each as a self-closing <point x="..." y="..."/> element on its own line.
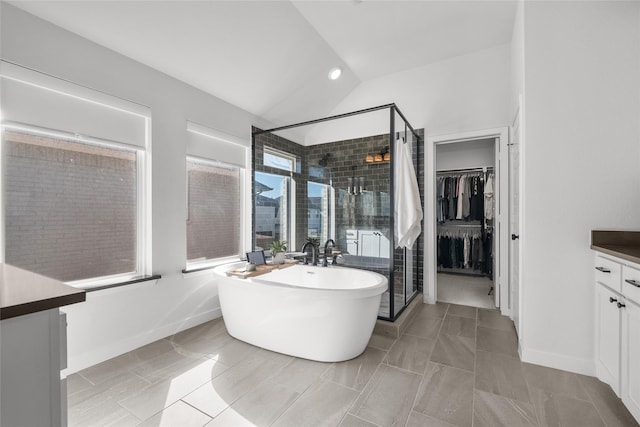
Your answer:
<point x="465" y="222"/>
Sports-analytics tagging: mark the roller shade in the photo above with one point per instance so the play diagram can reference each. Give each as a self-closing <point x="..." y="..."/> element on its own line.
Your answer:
<point x="212" y="144"/>
<point x="37" y="99"/>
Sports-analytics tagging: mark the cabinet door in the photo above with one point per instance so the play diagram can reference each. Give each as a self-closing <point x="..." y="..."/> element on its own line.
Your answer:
<point x="608" y="337"/>
<point x="369" y="243"/>
<point x="384" y="246"/>
<point x="630" y="358"/>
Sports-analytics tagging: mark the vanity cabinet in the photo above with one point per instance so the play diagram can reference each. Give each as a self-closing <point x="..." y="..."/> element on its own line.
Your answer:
<point x="373" y="243"/>
<point x="33" y="348"/>
<point x="617" y="328"/>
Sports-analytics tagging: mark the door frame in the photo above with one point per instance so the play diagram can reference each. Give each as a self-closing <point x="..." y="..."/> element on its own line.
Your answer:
<point x="501" y="228"/>
<point x="519" y="120"/>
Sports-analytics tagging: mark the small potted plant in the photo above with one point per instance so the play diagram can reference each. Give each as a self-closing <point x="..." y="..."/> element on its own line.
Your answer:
<point x="278" y="248"/>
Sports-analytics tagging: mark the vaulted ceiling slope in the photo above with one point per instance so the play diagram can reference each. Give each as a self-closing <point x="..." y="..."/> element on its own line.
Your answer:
<point x="271" y="58"/>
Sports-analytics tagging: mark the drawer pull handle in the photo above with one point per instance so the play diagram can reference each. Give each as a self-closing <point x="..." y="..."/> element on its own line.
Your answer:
<point x="603" y="269"/>
<point x="612" y="299"/>
<point x="633" y="282"/>
<point x="621" y="305"/>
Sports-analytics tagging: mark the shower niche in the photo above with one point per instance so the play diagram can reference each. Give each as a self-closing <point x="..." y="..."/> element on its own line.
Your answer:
<point x="333" y="178"/>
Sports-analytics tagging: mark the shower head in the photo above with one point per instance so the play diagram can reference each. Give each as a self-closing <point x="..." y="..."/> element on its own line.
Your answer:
<point x="324" y="160"/>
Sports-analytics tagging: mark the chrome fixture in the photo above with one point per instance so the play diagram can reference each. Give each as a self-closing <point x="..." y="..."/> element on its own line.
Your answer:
<point x="355" y="185"/>
<point x="324" y="160"/>
<point x="327" y="254"/>
<point x="314" y="253"/>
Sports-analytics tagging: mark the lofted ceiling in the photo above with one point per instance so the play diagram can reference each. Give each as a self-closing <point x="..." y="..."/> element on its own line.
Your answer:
<point x="271" y="58"/>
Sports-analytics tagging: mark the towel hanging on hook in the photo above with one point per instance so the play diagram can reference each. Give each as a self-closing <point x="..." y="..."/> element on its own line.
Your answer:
<point x="407" y="207"/>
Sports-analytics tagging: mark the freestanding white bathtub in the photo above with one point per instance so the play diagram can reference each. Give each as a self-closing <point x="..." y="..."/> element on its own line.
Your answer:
<point x="319" y="313"/>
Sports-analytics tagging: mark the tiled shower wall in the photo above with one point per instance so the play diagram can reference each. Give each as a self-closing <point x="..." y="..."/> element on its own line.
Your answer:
<point x="346" y="159"/>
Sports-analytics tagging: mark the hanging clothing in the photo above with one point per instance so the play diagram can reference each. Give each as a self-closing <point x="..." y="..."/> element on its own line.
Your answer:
<point x="460" y="192"/>
<point x="466" y="250"/>
<point x="466" y="198"/>
<point x="477" y="199"/>
<point x="452" y="196"/>
<point x="460" y="197"/>
<point x="488" y="198"/>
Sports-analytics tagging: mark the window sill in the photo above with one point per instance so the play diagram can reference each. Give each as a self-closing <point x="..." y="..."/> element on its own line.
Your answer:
<point x="207" y="267"/>
<point x="138" y="279"/>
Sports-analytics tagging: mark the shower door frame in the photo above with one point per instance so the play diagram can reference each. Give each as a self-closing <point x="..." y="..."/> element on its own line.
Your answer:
<point x="393" y="110"/>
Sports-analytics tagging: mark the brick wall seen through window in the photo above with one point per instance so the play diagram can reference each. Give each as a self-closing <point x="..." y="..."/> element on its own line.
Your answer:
<point x="214" y="216"/>
<point x="71" y="208"/>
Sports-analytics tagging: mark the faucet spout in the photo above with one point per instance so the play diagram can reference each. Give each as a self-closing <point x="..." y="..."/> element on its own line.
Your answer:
<point x="314" y="253"/>
<point x="326" y="251"/>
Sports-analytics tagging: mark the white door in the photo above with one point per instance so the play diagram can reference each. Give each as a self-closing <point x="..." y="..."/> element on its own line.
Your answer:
<point x="514" y="224"/>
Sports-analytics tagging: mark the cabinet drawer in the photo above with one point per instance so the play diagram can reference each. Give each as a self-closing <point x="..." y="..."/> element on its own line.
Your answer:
<point x="631" y="283"/>
<point x="608" y="273"/>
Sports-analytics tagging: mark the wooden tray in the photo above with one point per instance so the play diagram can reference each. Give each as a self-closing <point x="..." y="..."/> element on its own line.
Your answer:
<point x="260" y="269"/>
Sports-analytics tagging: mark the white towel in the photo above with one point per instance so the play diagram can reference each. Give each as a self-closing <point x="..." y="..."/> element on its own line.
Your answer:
<point x="407" y="208"/>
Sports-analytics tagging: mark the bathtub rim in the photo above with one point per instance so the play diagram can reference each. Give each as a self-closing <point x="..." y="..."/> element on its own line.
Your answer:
<point x="380" y="287"/>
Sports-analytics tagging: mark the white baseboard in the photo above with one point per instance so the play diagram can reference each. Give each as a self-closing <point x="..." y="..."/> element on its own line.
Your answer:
<point x="127" y="344"/>
<point x="557" y="361"/>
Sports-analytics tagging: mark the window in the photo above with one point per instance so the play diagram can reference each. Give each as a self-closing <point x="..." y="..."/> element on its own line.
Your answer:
<point x="214" y="193"/>
<point x="272" y="213"/>
<point x="278" y="159"/>
<point x="217" y="221"/>
<point x="71" y="207"/>
<point x="319" y="211"/>
<point x="74" y="179"/>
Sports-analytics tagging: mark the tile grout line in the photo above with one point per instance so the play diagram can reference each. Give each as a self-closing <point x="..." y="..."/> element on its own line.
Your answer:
<point x="197" y="409"/>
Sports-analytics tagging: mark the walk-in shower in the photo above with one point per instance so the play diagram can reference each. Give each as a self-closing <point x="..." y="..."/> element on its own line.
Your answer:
<point x="333" y="178"/>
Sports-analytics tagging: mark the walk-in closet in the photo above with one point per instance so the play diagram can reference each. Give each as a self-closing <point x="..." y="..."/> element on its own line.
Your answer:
<point x="465" y="214"/>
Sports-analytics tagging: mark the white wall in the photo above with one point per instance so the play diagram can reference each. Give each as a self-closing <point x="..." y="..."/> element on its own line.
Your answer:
<point x="465" y="155"/>
<point x="517" y="60"/>
<point x="469" y="92"/>
<point x="117" y="320"/>
<point x="582" y="105"/>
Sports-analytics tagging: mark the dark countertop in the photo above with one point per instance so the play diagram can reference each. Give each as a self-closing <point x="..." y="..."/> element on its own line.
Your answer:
<point x="23" y="292"/>
<point x="621" y="244"/>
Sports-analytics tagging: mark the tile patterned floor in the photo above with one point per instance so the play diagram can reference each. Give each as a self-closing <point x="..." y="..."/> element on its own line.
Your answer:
<point x="467" y="290"/>
<point x="455" y="366"/>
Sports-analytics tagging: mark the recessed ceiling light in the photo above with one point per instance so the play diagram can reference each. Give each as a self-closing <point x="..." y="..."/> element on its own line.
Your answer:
<point x="334" y="73"/>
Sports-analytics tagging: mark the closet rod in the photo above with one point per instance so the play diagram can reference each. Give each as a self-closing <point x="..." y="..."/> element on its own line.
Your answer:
<point x="460" y="225"/>
<point x="470" y="170"/>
